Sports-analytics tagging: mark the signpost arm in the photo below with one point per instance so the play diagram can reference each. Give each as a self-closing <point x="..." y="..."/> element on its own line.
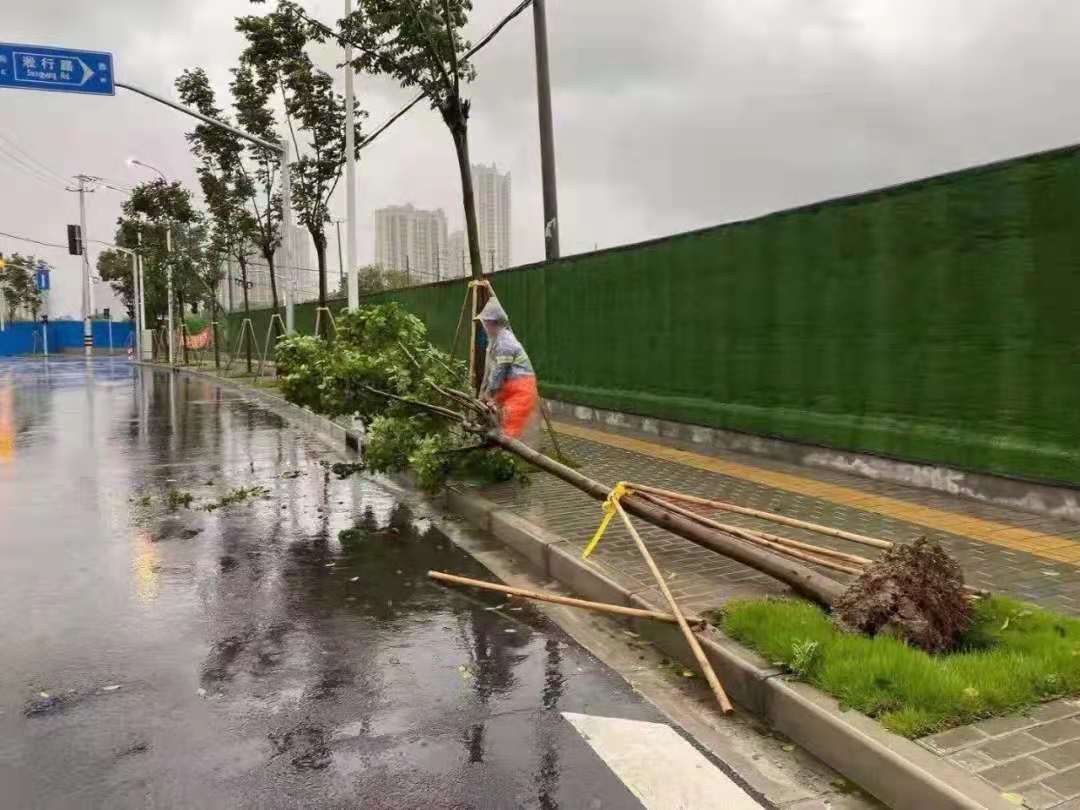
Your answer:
<point x="205" y="118"/>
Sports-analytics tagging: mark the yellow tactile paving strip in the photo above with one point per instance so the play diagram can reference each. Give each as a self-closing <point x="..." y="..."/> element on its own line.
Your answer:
<point x="1049" y="546"/>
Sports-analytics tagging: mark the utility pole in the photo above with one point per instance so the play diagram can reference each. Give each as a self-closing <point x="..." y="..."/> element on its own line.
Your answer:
<point x="547" y="135"/>
<point x="350" y="176"/>
<point x="408" y="272"/>
<point x="88" y="336"/>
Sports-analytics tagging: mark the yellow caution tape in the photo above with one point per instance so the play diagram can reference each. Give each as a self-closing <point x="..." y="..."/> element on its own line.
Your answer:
<point x="613" y="497"/>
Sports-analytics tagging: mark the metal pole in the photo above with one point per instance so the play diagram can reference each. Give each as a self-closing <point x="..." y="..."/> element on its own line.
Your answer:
<point x="340" y="262"/>
<point x="45" y="339"/>
<point x="287" y="227"/>
<point x="195" y="114"/>
<point x="169" y="287"/>
<point x="142" y="304"/>
<point x="110" y="335"/>
<point x="350" y="175"/>
<point x="135" y="302"/>
<point x="88" y="338"/>
<point x="547" y="136"/>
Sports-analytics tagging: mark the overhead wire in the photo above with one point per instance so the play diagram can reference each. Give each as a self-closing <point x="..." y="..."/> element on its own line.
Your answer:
<point x="15" y="162"/>
<point x="36" y="164"/>
<point x="35" y="241"/>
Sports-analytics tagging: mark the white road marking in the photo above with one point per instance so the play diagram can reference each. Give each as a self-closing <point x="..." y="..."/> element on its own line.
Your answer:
<point x="659" y="766"/>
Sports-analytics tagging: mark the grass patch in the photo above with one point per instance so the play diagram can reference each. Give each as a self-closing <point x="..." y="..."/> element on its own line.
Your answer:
<point x="1014" y="656"/>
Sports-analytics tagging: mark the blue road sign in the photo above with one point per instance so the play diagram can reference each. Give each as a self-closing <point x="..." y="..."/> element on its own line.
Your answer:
<point x="38" y="67"/>
<point x="41" y="278"/>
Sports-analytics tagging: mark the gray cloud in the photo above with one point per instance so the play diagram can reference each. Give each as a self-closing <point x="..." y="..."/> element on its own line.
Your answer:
<point x="668" y="116"/>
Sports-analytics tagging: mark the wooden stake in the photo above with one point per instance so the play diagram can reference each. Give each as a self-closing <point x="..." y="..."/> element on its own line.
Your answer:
<point x="745" y="510"/>
<point x="460" y="321"/>
<point x="753" y="534"/>
<point x="569" y="601"/>
<point x="691" y="639"/>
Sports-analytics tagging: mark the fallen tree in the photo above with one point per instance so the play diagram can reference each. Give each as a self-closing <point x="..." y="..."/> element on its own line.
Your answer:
<point x="421" y="416"/>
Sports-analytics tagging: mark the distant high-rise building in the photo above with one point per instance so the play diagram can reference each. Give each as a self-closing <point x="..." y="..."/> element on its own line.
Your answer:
<point x="492" y="192"/>
<point x="457" y="256"/>
<point x="408" y="238"/>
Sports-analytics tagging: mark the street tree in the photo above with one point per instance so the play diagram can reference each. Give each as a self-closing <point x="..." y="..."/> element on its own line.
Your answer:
<point x="151" y="211"/>
<point x="420" y="44"/>
<point x="17" y="285"/>
<point x="114" y="267"/>
<point x="255" y="115"/>
<point x="227" y="187"/>
<point x="277" y="55"/>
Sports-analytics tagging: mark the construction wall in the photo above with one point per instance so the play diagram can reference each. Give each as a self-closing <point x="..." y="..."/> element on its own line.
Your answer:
<point x="937" y="322"/>
<point x="25" y="337"/>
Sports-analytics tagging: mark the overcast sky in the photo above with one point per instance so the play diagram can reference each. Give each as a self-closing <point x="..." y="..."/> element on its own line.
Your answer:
<point x="668" y="116"/>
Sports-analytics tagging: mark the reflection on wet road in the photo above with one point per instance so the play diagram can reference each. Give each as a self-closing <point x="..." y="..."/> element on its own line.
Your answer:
<point x="164" y="655"/>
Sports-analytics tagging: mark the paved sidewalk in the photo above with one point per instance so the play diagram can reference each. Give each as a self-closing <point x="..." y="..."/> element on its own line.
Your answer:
<point x="1027" y="556"/>
<point x="1033" y="558"/>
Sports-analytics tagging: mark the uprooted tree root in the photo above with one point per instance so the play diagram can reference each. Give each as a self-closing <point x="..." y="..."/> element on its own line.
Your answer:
<point x="915" y="592"/>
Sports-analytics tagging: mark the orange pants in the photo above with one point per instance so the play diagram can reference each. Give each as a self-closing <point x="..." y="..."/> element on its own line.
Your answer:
<point x="517" y="401"/>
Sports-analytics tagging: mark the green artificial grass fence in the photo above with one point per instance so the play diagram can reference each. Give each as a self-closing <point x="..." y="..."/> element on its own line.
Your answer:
<point x="1014" y="656"/>
<point x="932" y="322"/>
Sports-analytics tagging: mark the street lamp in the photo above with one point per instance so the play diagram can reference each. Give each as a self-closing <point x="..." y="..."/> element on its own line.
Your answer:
<point x="168" y="249"/>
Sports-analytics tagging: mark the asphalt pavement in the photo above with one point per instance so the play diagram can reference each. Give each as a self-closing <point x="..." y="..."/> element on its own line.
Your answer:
<point x="184" y="625"/>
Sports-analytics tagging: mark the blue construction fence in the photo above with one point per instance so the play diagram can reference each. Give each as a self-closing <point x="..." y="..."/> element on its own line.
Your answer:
<point x="25" y="337"/>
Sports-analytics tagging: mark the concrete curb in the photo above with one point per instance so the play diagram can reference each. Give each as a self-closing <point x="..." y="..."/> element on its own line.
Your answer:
<point x="895" y="770"/>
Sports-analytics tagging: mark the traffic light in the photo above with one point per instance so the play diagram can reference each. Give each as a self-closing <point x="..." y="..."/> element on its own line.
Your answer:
<point x="75" y="243"/>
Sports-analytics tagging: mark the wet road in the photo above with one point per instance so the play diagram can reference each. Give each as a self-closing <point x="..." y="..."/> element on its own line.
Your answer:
<point x="158" y="654"/>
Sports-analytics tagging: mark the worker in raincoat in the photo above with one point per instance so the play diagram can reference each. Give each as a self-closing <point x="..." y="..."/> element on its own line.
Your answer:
<point x="509" y="380"/>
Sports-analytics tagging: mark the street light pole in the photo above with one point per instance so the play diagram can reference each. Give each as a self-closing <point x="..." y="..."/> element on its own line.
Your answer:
<point x="547" y="135"/>
<point x="350" y="176"/>
<point x="142" y="297"/>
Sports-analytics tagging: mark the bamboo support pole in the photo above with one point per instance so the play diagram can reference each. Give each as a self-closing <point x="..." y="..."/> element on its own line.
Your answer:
<point x="775" y="518"/>
<point x="691" y="639"/>
<point x="557" y="599"/>
<point x="753" y="534"/>
<point x="803" y="580"/>
<point x="461" y="319"/>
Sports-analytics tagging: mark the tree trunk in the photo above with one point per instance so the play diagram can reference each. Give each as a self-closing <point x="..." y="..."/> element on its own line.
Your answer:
<point x="214" y="309"/>
<point x="180" y="307"/>
<point x="269" y="255"/>
<point x="460" y="131"/>
<point x="468" y="200"/>
<point x="800" y="578"/>
<point x="319" y="238"/>
<point x="245" y="333"/>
